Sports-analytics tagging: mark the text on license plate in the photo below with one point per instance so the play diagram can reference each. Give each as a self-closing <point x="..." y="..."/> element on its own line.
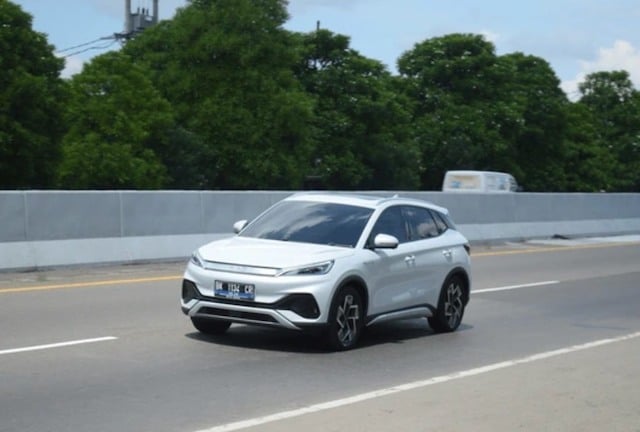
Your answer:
<point x="235" y="290"/>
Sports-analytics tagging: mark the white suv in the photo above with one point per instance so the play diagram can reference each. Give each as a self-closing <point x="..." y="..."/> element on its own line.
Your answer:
<point x="333" y="262"/>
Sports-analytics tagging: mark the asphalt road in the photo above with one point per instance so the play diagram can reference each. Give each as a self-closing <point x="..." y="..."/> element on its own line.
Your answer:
<point x="550" y="341"/>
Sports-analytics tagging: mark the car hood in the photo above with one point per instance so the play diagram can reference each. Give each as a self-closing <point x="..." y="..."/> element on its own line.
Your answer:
<point x="275" y="254"/>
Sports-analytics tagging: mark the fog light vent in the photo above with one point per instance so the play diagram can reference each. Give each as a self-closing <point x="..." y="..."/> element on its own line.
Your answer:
<point x="189" y="290"/>
<point x="302" y="304"/>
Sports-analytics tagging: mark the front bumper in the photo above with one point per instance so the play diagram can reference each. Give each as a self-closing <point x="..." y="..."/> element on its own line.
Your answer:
<point x="293" y="312"/>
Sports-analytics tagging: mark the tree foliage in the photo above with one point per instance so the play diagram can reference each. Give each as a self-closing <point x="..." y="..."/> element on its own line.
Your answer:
<point x="537" y="131"/>
<point x="31" y="98"/>
<point x="223" y="97"/>
<point x="477" y="110"/>
<point x="615" y="106"/>
<point x="458" y="117"/>
<point x="361" y="123"/>
<point x="226" y="67"/>
<point x="118" y="123"/>
<point x="587" y="162"/>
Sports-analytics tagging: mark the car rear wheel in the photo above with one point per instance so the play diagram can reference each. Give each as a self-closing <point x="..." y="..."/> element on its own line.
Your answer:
<point x="448" y="316"/>
<point x="210" y="326"/>
<point x="345" y="319"/>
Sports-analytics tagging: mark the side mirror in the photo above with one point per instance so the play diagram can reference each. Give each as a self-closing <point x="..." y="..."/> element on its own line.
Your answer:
<point x="385" y="241"/>
<point x="239" y="226"/>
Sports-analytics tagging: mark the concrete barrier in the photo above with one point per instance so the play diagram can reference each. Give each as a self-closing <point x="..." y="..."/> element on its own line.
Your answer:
<point x="57" y="228"/>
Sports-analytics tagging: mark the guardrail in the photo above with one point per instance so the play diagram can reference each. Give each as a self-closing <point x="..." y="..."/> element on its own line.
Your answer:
<point x="57" y="228"/>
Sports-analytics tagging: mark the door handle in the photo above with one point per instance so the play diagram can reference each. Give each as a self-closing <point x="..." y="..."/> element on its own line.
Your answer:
<point x="447" y="253"/>
<point x="409" y="258"/>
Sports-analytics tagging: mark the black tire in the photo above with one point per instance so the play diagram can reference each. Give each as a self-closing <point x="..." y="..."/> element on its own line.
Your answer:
<point x="451" y="306"/>
<point x="346" y="319"/>
<point x="210" y="326"/>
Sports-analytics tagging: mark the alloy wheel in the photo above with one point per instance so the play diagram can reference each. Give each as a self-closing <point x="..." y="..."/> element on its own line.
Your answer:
<point x="454" y="304"/>
<point x="347" y="318"/>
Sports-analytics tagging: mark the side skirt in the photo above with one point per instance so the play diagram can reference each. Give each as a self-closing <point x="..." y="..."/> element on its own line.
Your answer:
<point x="422" y="311"/>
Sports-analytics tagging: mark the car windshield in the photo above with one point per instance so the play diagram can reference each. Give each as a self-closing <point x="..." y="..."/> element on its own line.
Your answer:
<point x="311" y="222"/>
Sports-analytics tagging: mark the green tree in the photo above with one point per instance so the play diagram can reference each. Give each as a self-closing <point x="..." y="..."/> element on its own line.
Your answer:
<point x="31" y="97"/>
<point x="615" y="105"/>
<point x="362" y="124"/>
<point x="588" y="163"/>
<point x="118" y="124"/>
<point x="477" y="110"/>
<point x="226" y="67"/>
<point x="458" y="119"/>
<point x="538" y="128"/>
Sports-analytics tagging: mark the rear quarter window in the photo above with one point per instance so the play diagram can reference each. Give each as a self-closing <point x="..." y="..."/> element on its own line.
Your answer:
<point x="443" y="220"/>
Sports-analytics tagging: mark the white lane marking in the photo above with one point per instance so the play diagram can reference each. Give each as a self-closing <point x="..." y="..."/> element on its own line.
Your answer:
<point x="514" y="287"/>
<point x="413" y="385"/>
<point x="57" y="345"/>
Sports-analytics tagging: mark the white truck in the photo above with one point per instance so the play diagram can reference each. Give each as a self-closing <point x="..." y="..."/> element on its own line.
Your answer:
<point x="479" y="181"/>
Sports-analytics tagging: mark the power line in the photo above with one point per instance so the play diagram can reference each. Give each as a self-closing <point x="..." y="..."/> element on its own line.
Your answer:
<point x="105" y="46"/>
<point x="83" y="44"/>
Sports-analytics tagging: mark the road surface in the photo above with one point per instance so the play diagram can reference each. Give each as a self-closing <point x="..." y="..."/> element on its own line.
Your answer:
<point x="550" y="341"/>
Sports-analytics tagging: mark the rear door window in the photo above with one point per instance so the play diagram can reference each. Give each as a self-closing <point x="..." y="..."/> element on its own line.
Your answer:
<point x="420" y="223"/>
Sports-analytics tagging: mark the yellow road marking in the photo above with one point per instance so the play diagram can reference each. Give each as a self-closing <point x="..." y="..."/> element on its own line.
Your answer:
<point x="89" y="284"/>
<point x="178" y="277"/>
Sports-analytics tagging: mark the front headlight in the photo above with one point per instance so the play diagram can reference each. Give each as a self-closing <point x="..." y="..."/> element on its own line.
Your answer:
<point x="197" y="259"/>
<point x="308" y="270"/>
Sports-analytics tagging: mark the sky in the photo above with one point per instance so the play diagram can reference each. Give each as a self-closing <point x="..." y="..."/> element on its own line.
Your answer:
<point x="576" y="37"/>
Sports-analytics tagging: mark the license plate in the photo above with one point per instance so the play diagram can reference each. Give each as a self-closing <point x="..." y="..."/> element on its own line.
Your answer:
<point x="235" y="290"/>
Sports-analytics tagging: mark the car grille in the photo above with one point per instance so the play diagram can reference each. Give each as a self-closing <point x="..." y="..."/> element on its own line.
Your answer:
<point x="253" y="316"/>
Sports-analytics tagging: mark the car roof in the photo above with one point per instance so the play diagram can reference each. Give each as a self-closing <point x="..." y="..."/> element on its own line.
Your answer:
<point x="363" y="200"/>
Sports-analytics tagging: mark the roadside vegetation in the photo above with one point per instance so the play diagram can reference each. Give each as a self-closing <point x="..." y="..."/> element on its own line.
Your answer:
<point x="223" y="97"/>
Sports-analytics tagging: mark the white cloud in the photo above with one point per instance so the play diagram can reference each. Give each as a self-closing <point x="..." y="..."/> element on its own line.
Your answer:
<point x="621" y="56"/>
<point x="490" y="36"/>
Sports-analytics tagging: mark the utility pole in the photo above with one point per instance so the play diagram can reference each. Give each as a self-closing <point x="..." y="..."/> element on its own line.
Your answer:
<point x="136" y="22"/>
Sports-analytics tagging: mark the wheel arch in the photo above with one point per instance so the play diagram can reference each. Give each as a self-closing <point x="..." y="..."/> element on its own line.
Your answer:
<point x="359" y="284"/>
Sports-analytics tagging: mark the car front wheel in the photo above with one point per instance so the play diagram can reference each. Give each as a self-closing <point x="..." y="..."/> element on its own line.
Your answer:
<point x="451" y="305"/>
<point x="345" y="319"/>
<point x="210" y="326"/>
